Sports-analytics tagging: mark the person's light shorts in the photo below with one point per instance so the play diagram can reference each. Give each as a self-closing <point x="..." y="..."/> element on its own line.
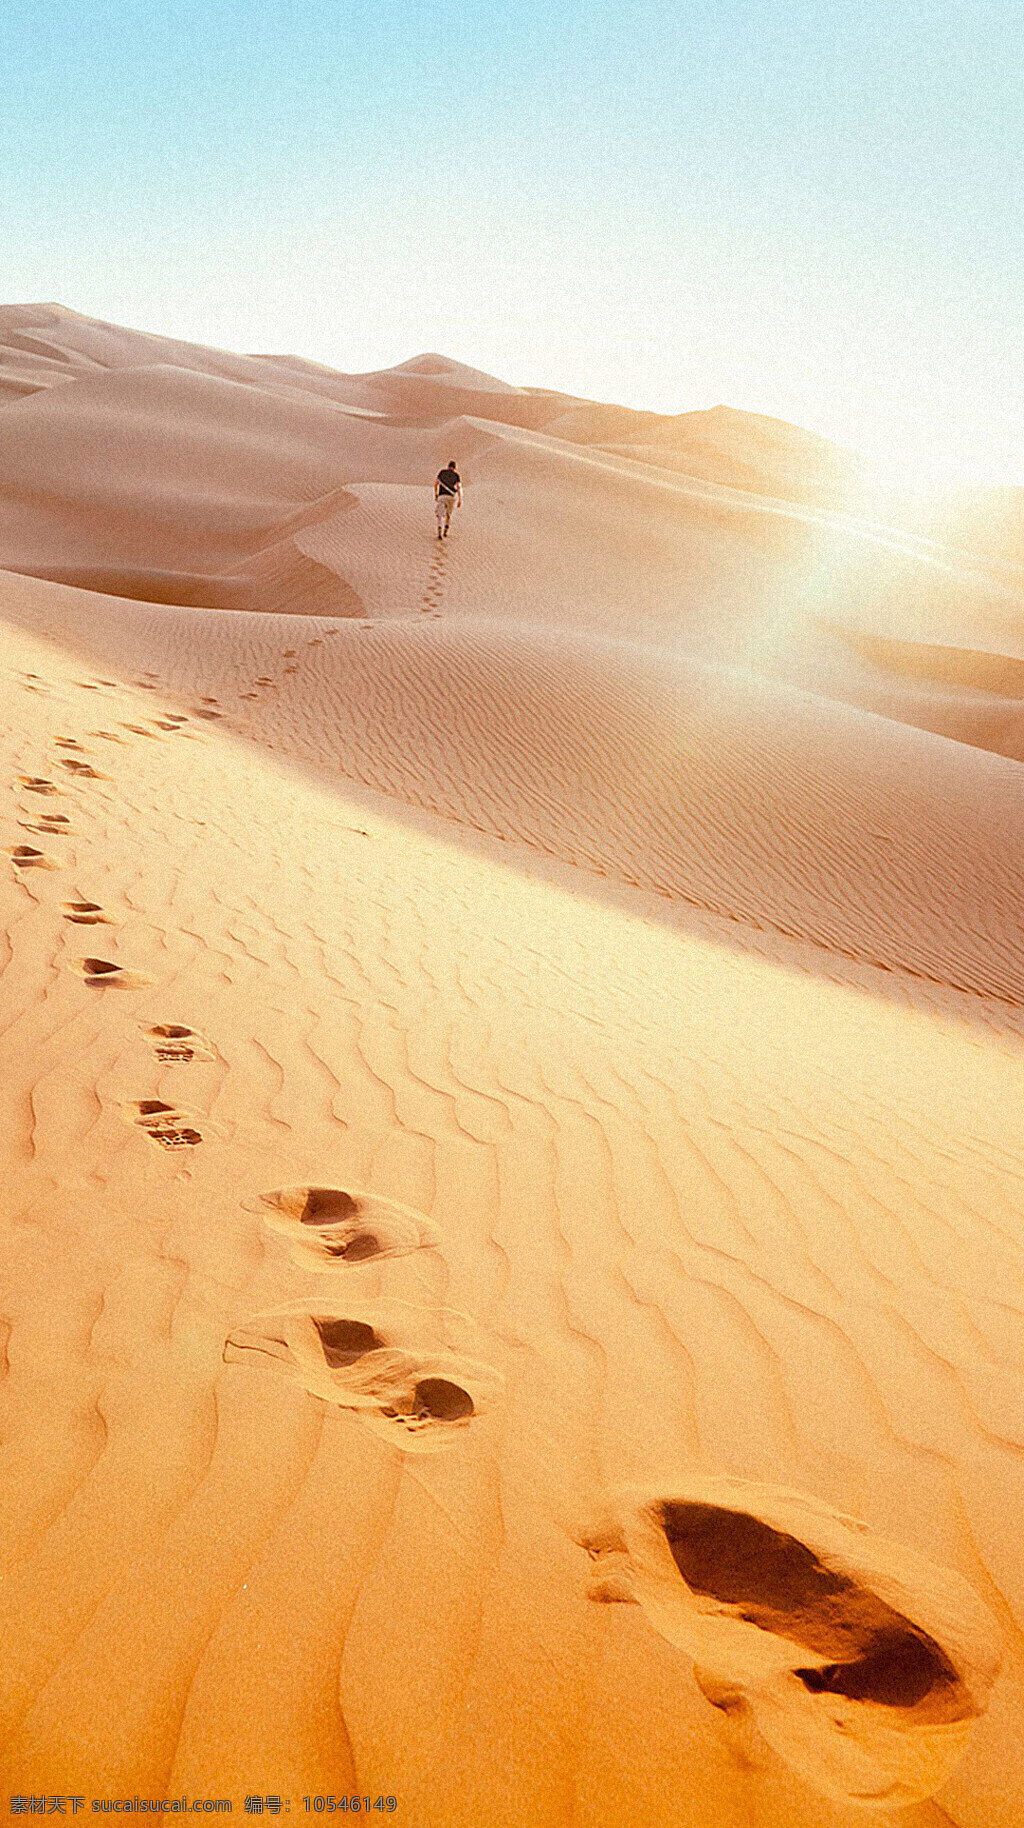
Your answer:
<point x="443" y="509"/>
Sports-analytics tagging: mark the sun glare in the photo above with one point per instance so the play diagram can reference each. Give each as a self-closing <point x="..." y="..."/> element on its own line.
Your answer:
<point x="926" y="462"/>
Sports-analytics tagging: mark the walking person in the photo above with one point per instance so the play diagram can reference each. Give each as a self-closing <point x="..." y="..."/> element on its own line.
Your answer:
<point x="447" y="495"/>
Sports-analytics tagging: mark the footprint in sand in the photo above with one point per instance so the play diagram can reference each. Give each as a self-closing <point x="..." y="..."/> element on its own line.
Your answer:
<point x="24" y="857"/>
<point x="88" y="914"/>
<point x="173" y="724"/>
<point x="176" y="1045"/>
<point x="37" y="783"/>
<point x="69" y="742"/>
<point x="437" y="578"/>
<point x="860" y="1664"/>
<point x="167" y="1125"/>
<point x="57" y="824"/>
<point x="109" y="736"/>
<point x="201" y="711"/>
<point x="83" y="771"/>
<point x="370" y="1358"/>
<point x="328" y="1225"/>
<point x="102" y="974"/>
<point x="140" y="730"/>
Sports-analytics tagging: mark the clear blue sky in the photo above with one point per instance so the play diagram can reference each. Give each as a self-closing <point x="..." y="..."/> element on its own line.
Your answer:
<point x="795" y="207"/>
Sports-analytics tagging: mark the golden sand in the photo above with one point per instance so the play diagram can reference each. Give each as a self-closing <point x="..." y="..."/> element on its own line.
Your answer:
<point x="534" y="1118"/>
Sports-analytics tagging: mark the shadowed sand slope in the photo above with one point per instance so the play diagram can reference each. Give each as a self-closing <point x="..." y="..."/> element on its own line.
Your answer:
<point x="629" y="1209"/>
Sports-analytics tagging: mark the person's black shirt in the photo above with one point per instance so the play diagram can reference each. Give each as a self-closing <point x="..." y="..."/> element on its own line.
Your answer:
<point x="449" y="481"/>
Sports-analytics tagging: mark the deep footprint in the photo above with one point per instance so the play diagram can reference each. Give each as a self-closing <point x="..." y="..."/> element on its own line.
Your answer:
<point x="861" y="1664"/>
<point x="82" y="770"/>
<point x="165" y="1124"/>
<point x="176" y="1045"/>
<point x="87" y="914"/>
<point x="25" y="857"/>
<point x="57" y="824"/>
<point x="331" y="1225"/>
<point x="372" y="1358"/>
<point x="102" y="974"/>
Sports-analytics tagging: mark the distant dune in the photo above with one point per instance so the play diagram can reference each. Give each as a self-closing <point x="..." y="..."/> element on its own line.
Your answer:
<point x="175" y="474"/>
<point x="514" y="1275"/>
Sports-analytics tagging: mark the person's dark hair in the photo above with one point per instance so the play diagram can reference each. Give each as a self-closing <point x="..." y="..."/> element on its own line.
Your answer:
<point x="452" y="465"/>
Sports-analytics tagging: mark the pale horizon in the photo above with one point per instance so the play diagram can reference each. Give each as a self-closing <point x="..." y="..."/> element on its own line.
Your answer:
<point x="887" y="461"/>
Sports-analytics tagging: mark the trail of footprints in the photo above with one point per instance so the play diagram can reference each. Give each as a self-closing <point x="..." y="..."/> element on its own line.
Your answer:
<point x="437" y="579"/>
<point x="400" y="1368"/>
<point x="860" y="1664"/>
<point x="168" y="1126"/>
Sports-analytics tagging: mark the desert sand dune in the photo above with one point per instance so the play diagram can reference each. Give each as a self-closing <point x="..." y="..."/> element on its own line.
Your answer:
<point x="512" y="1058"/>
<point x="681" y="1247"/>
<point x="168" y="458"/>
<point x="256" y="465"/>
<point x="753" y="452"/>
<point x="183" y="476"/>
<point x="1000" y="675"/>
<point x="748" y="450"/>
<point x="197" y="480"/>
<point x="770" y="810"/>
<point x="427" y="385"/>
